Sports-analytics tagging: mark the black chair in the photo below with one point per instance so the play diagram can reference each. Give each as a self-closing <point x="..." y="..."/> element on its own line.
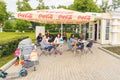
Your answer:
<point x="89" y="46"/>
<point x="80" y="47"/>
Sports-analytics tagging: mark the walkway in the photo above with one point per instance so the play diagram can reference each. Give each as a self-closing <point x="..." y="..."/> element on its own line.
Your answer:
<point x="96" y="66"/>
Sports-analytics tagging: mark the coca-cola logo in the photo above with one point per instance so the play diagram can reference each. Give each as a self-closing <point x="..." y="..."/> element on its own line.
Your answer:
<point x="46" y="16"/>
<point x="86" y="18"/>
<point x="65" y="17"/>
<point x="26" y="15"/>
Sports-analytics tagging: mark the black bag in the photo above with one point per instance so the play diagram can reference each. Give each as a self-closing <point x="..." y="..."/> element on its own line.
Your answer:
<point x="28" y="63"/>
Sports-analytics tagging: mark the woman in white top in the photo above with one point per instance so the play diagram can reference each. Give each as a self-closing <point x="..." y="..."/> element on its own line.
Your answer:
<point x="57" y="39"/>
<point x="57" y="43"/>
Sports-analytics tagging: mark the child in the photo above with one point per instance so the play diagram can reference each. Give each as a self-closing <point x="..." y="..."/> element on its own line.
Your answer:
<point x="3" y="74"/>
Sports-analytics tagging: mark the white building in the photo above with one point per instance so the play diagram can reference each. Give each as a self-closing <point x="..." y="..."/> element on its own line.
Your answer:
<point x="105" y="29"/>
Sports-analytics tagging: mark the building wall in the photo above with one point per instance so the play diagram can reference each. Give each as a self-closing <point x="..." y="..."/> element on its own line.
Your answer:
<point x="114" y="28"/>
<point x="119" y="31"/>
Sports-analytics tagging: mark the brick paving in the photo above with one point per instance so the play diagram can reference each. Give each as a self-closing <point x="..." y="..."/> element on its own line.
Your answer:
<point x="91" y="66"/>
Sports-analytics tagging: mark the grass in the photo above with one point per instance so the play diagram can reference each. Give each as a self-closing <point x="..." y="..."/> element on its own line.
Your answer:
<point x="10" y="35"/>
<point x="114" y="49"/>
<point x="6" y="59"/>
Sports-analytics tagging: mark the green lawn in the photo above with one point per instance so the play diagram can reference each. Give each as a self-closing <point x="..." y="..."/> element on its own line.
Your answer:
<point x="114" y="49"/>
<point x="6" y="59"/>
<point x="10" y="35"/>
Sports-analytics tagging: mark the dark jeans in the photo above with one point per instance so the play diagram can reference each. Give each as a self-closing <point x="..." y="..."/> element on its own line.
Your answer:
<point x="49" y="48"/>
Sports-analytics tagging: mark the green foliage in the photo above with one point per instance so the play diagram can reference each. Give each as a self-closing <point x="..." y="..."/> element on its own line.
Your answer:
<point x="84" y="6"/>
<point x="105" y="6"/>
<point x="8" y="46"/>
<point x="41" y="5"/>
<point x="61" y="6"/>
<point x="9" y="24"/>
<point x="23" y="5"/>
<point x="22" y="25"/>
<point x="3" y="12"/>
<point x="50" y="26"/>
<point x="6" y="59"/>
<point x="76" y="35"/>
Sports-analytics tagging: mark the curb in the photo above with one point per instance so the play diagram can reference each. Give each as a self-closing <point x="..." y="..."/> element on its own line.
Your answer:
<point x="8" y="65"/>
<point x="109" y="52"/>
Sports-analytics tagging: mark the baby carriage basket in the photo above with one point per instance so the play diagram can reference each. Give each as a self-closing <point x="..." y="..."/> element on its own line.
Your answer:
<point x="26" y="47"/>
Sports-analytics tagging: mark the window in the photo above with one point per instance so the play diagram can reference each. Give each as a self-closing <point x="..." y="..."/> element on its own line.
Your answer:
<point x="99" y="29"/>
<point x="107" y="29"/>
<point x="90" y="33"/>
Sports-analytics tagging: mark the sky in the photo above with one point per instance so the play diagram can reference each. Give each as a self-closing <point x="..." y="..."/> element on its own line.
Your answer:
<point x="11" y="4"/>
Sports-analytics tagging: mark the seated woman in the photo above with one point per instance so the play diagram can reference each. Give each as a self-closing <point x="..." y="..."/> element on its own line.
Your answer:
<point x="79" y="44"/>
<point x="71" y="42"/>
<point x="45" y="44"/>
<point x="57" y="44"/>
<point x="80" y="37"/>
<point x="64" y="36"/>
<point x="57" y="40"/>
<point x="39" y="38"/>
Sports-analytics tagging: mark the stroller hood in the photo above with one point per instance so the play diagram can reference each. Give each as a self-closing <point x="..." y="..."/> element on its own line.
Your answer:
<point x="25" y="42"/>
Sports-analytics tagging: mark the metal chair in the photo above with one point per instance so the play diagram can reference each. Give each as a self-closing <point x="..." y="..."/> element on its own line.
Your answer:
<point x="89" y="46"/>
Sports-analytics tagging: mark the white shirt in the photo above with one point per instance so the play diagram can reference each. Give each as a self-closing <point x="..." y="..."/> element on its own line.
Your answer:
<point x="57" y="40"/>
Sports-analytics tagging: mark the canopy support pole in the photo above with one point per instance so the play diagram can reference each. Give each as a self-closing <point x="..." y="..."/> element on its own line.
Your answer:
<point x="61" y="29"/>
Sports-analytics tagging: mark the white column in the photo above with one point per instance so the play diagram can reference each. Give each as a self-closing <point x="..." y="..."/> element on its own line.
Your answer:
<point x="114" y="32"/>
<point x="102" y="31"/>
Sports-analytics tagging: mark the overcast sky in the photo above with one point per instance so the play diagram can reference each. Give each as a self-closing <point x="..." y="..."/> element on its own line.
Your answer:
<point x="11" y="4"/>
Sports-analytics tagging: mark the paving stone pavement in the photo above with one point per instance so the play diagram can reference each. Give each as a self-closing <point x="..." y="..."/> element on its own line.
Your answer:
<point x="91" y="66"/>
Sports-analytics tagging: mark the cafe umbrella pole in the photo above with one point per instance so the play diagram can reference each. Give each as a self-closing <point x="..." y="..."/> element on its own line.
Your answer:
<point x="61" y="29"/>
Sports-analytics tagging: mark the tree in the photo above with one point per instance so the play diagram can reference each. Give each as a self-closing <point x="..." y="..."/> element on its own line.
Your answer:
<point x="22" y="25"/>
<point x="41" y="5"/>
<point x="52" y="7"/>
<point x="9" y="24"/>
<point x="23" y="5"/>
<point x="61" y="6"/>
<point x="115" y="4"/>
<point x="85" y="6"/>
<point x="105" y="6"/>
<point x="3" y="12"/>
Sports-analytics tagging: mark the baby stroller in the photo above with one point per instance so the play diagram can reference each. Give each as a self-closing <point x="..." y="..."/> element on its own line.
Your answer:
<point x="25" y="47"/>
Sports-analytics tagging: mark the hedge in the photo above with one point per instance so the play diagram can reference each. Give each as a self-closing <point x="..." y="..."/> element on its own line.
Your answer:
<point x="8" y="47"/>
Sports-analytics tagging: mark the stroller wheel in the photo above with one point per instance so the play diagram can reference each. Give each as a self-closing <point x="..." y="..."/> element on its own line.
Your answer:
<point x="34" y="68"/>
<point x="23" y="73"/>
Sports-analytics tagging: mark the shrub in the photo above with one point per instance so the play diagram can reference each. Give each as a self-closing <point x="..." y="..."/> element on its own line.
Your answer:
<point x="7" y="47"/>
